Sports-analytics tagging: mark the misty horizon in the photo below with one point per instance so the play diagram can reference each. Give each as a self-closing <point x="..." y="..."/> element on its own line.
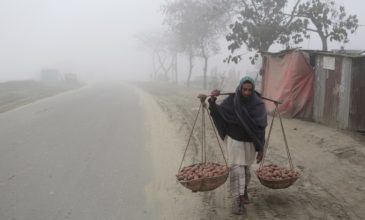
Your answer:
<point x="97" y="39"/>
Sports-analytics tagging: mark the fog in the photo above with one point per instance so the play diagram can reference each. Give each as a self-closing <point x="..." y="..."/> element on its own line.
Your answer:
<point x="93" y="38"/>
<point x="96" y="39"/>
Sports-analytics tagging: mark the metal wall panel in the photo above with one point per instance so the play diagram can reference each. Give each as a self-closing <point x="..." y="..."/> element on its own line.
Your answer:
<point x="357" y="104"/>
<point x="345" y="89"/>
<point x="332" y="94"/>
<point x="319" y="90"/>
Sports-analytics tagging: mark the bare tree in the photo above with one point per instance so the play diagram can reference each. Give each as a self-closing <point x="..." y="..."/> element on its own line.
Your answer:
<point x="198" y="25"/>
<point x="163" y="48"/>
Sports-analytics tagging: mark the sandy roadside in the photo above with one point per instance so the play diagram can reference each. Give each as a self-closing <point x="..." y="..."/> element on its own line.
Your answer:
<point x="331" y="162"/>
<point x="166" y="198"/>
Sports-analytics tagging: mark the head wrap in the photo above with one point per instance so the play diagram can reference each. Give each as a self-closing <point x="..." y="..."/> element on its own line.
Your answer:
<point x="247" y="79"/>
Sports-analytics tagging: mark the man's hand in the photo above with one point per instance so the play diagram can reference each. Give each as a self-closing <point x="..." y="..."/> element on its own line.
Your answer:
<point x="215" y="92"/>
<point x="259" y="156"/>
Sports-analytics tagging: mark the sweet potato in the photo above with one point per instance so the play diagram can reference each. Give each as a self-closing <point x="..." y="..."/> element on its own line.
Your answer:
<point x="274" y="172"/>
<point x="203" y="170"/>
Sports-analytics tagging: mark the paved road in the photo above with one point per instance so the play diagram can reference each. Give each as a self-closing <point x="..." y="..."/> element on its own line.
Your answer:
<point x="79" y="155"/>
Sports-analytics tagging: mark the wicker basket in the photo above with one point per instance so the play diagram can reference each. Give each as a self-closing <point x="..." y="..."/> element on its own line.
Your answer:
<point x="277" y="184"/>
<point x="206" y="183"/>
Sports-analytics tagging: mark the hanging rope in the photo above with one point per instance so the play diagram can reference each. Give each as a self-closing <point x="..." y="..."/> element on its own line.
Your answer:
<point x="286" y="143"/>
<point x="191" y="134"/>
<point x="203" y="109"/>
<point x="216" y="135"/>
<point x="268" y="139"/>
<point x="284" y="136"/>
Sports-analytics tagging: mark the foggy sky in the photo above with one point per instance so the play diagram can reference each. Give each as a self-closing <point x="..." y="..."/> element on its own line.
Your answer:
<point x="95" y="38"/>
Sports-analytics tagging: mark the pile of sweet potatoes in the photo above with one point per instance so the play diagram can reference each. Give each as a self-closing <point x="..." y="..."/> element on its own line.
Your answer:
<point x="201" y="170"/>
<point x="274" y="172"/>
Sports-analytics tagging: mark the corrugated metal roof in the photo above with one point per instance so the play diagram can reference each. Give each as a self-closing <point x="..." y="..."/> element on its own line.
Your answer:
<point x="345" y="53"/>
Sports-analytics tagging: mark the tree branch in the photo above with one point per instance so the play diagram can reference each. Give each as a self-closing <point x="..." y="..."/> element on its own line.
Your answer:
<point x="292" y="15"/>
<point x="247" y="6"/>
<point x="310" y="29"/>
<point x="254" y="6"/>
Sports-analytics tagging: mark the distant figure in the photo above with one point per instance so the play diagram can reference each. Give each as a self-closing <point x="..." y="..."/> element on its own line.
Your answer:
<point x="242" y="118"/>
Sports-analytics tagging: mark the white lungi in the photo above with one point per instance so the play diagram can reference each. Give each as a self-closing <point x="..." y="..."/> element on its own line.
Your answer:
<point x="240" y="156"/>
<point x="240" y="153"/>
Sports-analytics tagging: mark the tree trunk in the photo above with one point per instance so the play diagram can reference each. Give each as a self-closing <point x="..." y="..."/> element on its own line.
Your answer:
<point x="154" y="66"/>
<point x="175" y="69"/>
<point x="190" y="68"/>
<point x="265" y="47"/>
<point x="205" y="70"/>
<point x="162" y="65"/>
<point x="324" y="42"/>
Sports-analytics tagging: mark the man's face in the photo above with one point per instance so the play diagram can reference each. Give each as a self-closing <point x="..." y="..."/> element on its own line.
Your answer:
<point x="247" y="89"/>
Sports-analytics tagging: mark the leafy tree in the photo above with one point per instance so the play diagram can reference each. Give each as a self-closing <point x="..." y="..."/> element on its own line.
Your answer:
<point x="260" y="24"/>
<point x="329" y="20"/>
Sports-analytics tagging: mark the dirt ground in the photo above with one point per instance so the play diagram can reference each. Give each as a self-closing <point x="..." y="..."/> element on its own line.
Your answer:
<point x="331" y="162"/>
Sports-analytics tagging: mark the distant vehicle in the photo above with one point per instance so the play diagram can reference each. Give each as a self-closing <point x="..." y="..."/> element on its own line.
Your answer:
<point x="71" y="77"/>
<point x="51" y="75"/>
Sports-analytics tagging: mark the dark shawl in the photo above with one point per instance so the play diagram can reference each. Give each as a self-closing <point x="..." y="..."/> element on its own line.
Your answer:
<point x="244" y="115"/>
